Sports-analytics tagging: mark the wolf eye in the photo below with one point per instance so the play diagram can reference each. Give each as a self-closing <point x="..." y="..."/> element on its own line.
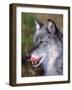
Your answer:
<point x="37" y="40"/>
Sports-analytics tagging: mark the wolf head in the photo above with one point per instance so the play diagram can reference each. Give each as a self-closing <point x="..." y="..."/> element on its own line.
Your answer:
<point x="46" y="36"/>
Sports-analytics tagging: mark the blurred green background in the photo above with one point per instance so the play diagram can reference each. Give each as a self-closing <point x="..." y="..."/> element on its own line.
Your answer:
<point x="28" y="27"/>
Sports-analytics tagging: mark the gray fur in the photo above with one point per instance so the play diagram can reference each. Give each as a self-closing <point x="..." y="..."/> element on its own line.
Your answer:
<point x="50" y="41"/>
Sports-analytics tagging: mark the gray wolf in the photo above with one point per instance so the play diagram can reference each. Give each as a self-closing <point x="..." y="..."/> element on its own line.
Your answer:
<point x="48" y="51"/>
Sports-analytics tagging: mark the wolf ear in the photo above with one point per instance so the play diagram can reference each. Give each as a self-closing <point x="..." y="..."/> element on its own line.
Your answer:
<point x="54" y="29"/>
<point x="51" y="26"/>
<point x="38" y="24"/>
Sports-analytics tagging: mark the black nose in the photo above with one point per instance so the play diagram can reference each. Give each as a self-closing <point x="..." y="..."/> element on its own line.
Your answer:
<point x="27" y="56"/>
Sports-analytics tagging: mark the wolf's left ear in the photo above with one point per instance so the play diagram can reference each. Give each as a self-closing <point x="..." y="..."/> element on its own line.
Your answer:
<point x="38" y="24"/>
<point x="51" y="26"/>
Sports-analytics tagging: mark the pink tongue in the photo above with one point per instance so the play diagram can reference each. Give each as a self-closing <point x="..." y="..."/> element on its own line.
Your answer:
<point x="34" y="58"/>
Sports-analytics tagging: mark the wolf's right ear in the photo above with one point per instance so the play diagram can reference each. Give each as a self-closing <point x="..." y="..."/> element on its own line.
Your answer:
<point x="38" y="24"/>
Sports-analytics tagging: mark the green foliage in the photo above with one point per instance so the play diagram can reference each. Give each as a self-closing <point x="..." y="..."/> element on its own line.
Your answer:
<point x="28" y="28"/>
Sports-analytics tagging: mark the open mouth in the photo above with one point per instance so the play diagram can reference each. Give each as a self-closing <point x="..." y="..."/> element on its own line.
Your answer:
<point x="35" y="59"/>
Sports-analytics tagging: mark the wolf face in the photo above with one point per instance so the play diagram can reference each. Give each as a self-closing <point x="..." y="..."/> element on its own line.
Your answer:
<point x="48" y="53"/>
